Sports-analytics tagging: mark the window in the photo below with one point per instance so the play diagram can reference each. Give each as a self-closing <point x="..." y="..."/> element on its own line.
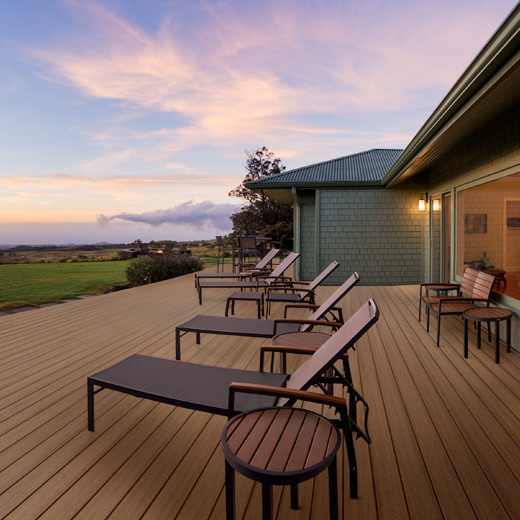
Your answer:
<point x="488" y="231"/>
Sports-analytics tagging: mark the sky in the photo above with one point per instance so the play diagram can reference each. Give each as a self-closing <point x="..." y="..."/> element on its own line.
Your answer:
<point x="129" y="119"/>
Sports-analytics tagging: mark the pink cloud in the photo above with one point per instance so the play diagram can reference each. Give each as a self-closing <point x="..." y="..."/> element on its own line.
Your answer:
<point x="233" y="79"/>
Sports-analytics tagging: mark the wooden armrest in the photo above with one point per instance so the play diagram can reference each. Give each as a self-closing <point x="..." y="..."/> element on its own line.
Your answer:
<point x="332" y="324"/>
<point x="307" y="322"/>
<point x="289" y="393"/>
<point x="454" y="285"/>
<point x="289" y="289"/>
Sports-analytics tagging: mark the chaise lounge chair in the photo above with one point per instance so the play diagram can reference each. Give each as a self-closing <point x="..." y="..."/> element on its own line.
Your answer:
<point x="260" y="267"/>
<point x="227" y="391"/>
<point x="275" y="275"/>
<point x="256" y="328"/>
<point x="295" y="292"/>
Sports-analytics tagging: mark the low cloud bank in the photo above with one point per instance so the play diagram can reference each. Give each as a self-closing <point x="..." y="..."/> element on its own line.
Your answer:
<point x="199" y="215"/>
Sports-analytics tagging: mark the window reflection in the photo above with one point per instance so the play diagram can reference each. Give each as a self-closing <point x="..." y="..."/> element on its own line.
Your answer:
<point x="488" y="231"/>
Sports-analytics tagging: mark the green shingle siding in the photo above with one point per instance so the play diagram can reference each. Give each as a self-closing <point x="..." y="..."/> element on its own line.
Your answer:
<point x="382" y="225"/>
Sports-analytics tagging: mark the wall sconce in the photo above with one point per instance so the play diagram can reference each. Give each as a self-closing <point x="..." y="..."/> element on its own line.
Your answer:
<point x="436" y="205"/>
<point x="422" y="202"/>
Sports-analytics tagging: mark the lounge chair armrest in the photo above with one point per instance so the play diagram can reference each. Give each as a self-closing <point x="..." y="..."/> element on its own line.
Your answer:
<point x="302" y="306"/>
<point x="294" y="395"/>
<point x="283" y="349"/>
<point x="332" y="324"/>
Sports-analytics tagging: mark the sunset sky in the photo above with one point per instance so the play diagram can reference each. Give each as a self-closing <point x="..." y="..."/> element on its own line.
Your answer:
<point x="126" y="119"/>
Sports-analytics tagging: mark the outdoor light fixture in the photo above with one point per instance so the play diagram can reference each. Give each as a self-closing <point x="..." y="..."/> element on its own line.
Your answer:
<point x="422" y="202"/>
<point x="436" y="205"/>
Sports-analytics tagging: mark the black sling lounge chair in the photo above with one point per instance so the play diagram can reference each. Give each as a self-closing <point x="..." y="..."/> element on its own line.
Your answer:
<point x="260" y="267"/>
<point x="276" y="274"/>
<point x="255" y="328"/>
<point x="294" y="292"/>
<point x="227" y="391"/>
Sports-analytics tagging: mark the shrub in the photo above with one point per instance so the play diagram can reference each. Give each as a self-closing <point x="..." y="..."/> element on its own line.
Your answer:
<point x="161" y="267"/>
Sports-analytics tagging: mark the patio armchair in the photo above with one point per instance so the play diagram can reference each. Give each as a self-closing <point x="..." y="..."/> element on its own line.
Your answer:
<point x="471" y="294"/>
<point x="468" y="280"/>
<point x="227" y="391"/>
<point x="247" y="248"/>
<point x="144" y="250"/>
<point x="182" y="249"/>
<point x="294" y="292"/>
<point x="223" y="248"/>
<point x="167" y="248"/>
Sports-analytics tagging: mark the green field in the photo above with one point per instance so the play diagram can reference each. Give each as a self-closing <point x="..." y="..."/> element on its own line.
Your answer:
<point x="23" y="285"/>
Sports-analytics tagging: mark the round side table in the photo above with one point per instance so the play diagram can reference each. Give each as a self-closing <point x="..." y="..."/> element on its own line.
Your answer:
<point x="488" y="315"/>
<point x="280" y="446"/>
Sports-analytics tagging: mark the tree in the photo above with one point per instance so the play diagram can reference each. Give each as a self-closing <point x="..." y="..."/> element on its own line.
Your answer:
<point x="262" y="215"/>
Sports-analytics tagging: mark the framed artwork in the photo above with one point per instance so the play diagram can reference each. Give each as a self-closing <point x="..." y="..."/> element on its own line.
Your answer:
<point x="475" y="223"/>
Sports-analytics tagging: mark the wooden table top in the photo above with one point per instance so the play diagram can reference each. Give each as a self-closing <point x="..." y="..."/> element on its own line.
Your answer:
<point x="487" y="314"/>
<point x="281" y="440"/>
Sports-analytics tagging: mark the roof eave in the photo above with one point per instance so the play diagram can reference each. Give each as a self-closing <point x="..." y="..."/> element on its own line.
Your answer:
<point x="499" y="49"/>
<point x="314" y="185"/>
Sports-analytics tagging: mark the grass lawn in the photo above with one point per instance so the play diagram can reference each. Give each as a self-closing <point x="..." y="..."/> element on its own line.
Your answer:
<point x="23" y="285"/>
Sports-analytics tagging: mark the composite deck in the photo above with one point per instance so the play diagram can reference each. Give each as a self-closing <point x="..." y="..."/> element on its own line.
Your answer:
<point x="445" y="430"/>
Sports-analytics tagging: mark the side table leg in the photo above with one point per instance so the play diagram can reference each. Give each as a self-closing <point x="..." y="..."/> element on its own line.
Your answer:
<point x="230" y="492"/>
<point x="333" y="490"/>
<point x="478" y="335"/>
<point x="294" y="496"/>
<point x="267" y="501"/>
<point x="465" y="338"/>
<point x="497" y="341"/>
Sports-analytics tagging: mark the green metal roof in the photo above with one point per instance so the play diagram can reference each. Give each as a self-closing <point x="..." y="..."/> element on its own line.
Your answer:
<point x="360" y="169"/>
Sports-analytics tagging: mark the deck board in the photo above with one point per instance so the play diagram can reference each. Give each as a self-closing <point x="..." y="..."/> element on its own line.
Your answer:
<point x="445" y="430"/>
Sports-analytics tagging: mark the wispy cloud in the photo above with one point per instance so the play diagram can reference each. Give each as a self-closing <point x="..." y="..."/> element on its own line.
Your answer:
<point x="201" y="215"/>
<point x="233" y="77"/>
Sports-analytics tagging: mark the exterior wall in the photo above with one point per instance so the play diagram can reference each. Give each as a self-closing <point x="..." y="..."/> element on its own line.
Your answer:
<point x="492" y="154"/>
<point x="307" y="235"/>
<point x="377" y="232"/>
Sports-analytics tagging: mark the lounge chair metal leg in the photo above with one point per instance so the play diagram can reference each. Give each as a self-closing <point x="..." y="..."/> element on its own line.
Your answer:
<point x="90" y="404"/>
<point x="438" y="329"/>
<point x="420" y="302"/>
<point x="351" y="454"/>
<point x="427" y="319"/>
<point x="177" y="344"/>
<point x="333" y="490"/>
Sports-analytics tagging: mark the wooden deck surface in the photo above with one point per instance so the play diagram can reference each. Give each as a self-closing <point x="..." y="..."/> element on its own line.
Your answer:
<point x="445" y="430"/>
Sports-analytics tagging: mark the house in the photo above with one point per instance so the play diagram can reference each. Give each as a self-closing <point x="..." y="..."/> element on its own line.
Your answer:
<point x="450" y="199"/>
